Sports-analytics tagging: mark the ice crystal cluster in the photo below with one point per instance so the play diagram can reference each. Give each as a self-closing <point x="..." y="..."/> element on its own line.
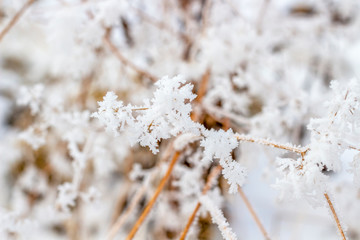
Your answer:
<point x="179" y="119"/>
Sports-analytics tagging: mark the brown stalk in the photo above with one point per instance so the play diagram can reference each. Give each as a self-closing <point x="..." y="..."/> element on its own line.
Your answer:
<point x="253" y="214"/>
<point x="121" y="220"/>
<point x="154" y="197"/>
<point x="201" y="91"/>
<point x="215" y="172"/>
<point x="203" y="86"/>
<point x="226" y="126"/>
<point x="16" y="18"/>
<point x="138" y="196"/>
<point x="271" y="144"/>
<point x="161" y="25"/>
<point x="212" y="176"/>
<point x="335" y="216"/>
<point x="233" y="8"/>
<point x="139" y="109"/>
<point x="262" y="13"/>
<point x="205" y="15"/>
<point x="302" y="152"/>
<point x="125" y="61"/>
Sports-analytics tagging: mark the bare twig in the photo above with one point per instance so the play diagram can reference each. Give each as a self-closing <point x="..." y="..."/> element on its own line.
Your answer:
<point x="125" y="61"/>
<point x="266" y="142"/>
<point x="140" y="109"/>
<point x="16" y="18"/>
<point x="161" y="25"/>
<point x="233" y="8"/>
<point x="138" y="195"/>
<point x="121" y="220"/>
<point x="335" y="216"/>
<point x="212" y="176"/>
<point x="205" y="15"/>
<point x="261" y="15"/>
<point x="253" y="214"/>
<point x="154" y="197"/>
<point x="218" y="112"/>
<point x="203" y="86"/>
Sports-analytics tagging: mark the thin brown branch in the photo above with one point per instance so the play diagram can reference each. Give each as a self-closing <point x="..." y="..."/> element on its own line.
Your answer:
<point x="354" y="148"/>
<point x="261" y="16"/>
<point x="299" y="150"/>
<point x="212" y="176"/>
<point x="335" y="216"/>
<point x="121" y="220"/>
<point x="138" y="195"/>
<point x="16" y="18"/>
<point x="233" y="8"/>
<point x="139" y="109"/>
<point x="160" y="25"/>
<point x="217" y="113"/>
<point x="125" y="61"/>
<point x="154" y="197"/>
<point x="253" y="214"/>
<point x="201" y="91"/>
<point x="203" y="86"/>
<point x="205" y="15"/>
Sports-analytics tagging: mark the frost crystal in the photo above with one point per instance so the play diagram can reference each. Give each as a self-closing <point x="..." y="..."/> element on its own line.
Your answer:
<point x="165" y="115"/>
<point x="183" y="140"/>
<point x="67" y="196"/>
<point x="31" y="97"/>
<point x="218" y="218"/>
<point x="234" y="173"/>
<point x="112" y="113"/>
<point x="214" y="139"/>
<point x="168" y="114"/>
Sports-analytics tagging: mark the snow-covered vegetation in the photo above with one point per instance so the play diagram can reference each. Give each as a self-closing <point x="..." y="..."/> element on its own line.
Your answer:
<point x="180" y="119"/>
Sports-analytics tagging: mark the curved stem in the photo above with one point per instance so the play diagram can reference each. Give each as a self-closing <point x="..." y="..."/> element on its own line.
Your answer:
<point x="335" y="216"/>
<point x="253" y="214"/>
<point x="269" y="143"/>
<point x="213" y="175"/>
<point x="125" y="61"/>
<point x="15" y="19"/>
<point x="121" y="220"/>
<point x="154" y="197"/>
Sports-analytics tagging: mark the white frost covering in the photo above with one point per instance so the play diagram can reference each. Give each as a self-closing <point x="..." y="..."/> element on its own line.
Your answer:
<point x="166" y="115"/>
<point x="183" y="140"/>
<point x="218" y="218"/>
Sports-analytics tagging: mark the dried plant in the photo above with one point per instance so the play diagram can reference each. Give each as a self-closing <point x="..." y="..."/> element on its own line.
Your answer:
<point x="179" y="119"/>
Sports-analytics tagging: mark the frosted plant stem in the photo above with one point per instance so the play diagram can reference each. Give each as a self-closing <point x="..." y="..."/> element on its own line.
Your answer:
<point x="154" y="197"/>
<point x="203" y="86"/>
<point x="125" y="61"/>
<point x="262" y="15"/>
<point x="271" y="144"/>
<point x="335" y="216"/>
<point x="136" y="199"/>
<point x="212" y="176"/>
<point x="160" y="25"/>
<point x="121" y="220"/>
<point x="253" y="214"/>
<point x="16" y="18"/>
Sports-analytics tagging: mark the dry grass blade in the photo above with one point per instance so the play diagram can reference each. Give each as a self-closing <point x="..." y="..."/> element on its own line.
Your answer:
<point x="16" y="18"/>
<point x="212" y="176"/>
<point x="121" y="220"/>
<point x="138" y="196"/>
<point x="203" y="86"/>
<point x="335" y="216"/>
<point x="299" y="150"/>
<point x="125" y="61"/>
<point x="253" y="214"/>
<point x="154" y="197"/>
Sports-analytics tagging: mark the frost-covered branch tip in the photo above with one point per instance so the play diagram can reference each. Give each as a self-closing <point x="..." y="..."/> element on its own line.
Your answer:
<point x="165" y="115"/>
<point x="218" y="218"/>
